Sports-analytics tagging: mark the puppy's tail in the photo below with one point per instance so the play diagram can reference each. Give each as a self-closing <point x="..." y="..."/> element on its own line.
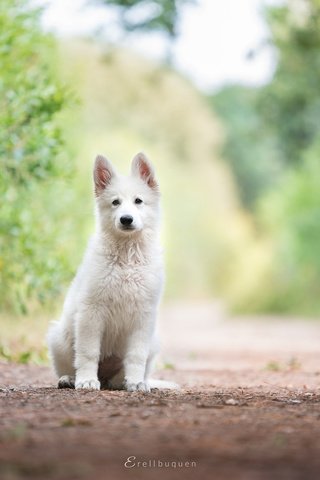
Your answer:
<point x="162" y="384"/>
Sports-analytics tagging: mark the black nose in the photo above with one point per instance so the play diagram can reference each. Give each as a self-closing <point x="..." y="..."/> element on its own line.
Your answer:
<point x="126" y="220"/>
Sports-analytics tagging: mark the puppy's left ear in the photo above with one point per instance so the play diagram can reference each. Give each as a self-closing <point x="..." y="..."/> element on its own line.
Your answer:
<point x="142" y="168"/>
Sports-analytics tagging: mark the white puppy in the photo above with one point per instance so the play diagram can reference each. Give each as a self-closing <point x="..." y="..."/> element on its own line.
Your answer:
<point x="107" y="330"/>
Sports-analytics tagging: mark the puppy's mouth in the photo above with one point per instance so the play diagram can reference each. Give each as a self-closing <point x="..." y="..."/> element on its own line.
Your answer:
<point x="127" y="228"/>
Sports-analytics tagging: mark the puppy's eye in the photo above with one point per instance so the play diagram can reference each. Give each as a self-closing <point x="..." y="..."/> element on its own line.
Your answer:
<point x="138" y="201"/>
<point x="116" y="202"/>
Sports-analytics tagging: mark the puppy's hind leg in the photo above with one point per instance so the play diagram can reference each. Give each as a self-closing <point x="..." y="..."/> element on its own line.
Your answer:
<point x="155" y="383"/>
<point x="61" y="354"/>
<point x="66" y="381"/>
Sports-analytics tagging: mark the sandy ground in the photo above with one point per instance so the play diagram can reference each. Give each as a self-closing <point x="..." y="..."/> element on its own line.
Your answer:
<point x="248" y="408"/>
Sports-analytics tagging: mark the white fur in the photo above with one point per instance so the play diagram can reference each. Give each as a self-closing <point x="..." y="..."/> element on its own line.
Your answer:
<point x="109" y="316"/>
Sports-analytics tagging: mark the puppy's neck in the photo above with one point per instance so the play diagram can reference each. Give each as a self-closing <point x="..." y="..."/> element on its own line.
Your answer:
<point x="136" y="249"/>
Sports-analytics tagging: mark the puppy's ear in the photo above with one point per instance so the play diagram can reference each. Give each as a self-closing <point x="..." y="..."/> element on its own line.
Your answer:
<point x="142" y="168"/>
<point x="102" y="174"/>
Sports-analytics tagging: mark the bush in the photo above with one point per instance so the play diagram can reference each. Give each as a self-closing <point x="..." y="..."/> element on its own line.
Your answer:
<point x="292" y="216"/>
<point x="30" y="157"/>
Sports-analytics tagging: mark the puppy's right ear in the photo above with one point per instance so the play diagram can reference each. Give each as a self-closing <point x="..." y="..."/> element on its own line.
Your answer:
<point x="102" y="174"/>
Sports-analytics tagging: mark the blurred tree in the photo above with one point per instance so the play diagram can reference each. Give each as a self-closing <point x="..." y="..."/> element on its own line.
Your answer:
<point x="30" y="145"/>
<point x="269" y="128"/>
<point x="291" y="102"/>
<point x="248" y="146"/>
<point x="290" y="106"/>
<point x="272" y="140"/>
<point x="291" y="215"/>
<point x="149" y="15"/>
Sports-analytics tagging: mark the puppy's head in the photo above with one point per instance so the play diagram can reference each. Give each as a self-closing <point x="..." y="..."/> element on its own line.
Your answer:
<point x="126" y="205"/>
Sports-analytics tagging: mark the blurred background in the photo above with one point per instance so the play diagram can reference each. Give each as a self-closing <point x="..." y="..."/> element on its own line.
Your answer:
<point x="224" y="97"/>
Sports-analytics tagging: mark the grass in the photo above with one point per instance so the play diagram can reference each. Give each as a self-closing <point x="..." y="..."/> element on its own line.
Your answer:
<point x="292" y="364"/>
<point x="23" y="338"/>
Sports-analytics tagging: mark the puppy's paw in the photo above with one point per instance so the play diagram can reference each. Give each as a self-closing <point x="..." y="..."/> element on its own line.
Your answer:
<point x="90" y="384"/>
<point x="66" y="381"/>
<point x="137" y="387"/>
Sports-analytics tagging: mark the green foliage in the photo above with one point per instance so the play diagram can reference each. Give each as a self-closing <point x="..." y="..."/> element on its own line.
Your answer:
<point x="23" y="338"/>
<point x="273" y="366"/>
<point x="149" y="15"/>
<point x="30" y="355"/>
<point x="268" y="129"/>
<point x="249" y="147"/>
<point x="30" y="157"/>
<point x="290" y="104"/>
<point x="292" y="216"/>
<point x="290" y="365"/>
<point x="29" y="97"/>
<point x="273" y="145"/>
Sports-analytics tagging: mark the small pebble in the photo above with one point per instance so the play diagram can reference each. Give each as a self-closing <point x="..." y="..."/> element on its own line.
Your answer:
<point x="231" y="401"/>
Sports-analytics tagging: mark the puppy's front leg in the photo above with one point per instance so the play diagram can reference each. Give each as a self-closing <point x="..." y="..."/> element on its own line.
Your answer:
<point x="135" y="361"/>
<point x="88" y="335"/>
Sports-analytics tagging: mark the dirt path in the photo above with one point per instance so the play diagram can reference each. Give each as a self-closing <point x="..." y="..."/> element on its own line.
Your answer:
<point x="248" y="409"/>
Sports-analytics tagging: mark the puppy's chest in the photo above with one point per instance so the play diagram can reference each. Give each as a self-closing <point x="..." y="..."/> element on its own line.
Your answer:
<point x="129" y="283"/>
<point x="124" y="279"/>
